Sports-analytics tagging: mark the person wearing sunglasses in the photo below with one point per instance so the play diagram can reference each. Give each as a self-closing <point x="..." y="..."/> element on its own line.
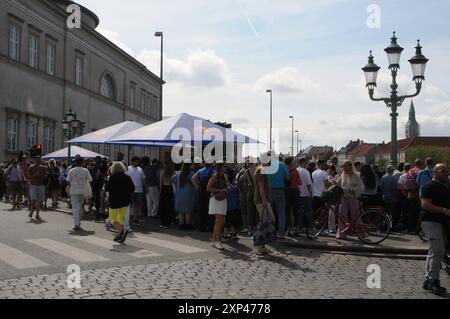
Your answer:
<point x="435" y="212"/>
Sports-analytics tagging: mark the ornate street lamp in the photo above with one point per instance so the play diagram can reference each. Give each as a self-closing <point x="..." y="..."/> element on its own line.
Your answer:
<point x="418" y="63"/>
<point x="72" y="127"/>
<point x="271" y="118"/>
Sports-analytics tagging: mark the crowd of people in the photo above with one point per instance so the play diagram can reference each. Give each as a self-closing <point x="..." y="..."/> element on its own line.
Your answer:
<point x="227" y="199"/>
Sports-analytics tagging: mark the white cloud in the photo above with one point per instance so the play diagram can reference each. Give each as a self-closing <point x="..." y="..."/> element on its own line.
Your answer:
<point x="203" y="68"/>
<point x="287" y="80"/>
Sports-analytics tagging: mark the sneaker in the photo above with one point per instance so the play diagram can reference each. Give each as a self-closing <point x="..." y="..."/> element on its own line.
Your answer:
<point x="218" y="245"/>
<point x="123" y="237"/>
<point x="226" y="239"/>
<point x="117" y="238"/>
<point x="436" y="288"/>
<point x="426" y="285"/>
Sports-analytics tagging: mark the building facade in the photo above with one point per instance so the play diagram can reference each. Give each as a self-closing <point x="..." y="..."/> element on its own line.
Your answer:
<point x="383" y="153"/>
<point x="48" y="69"/>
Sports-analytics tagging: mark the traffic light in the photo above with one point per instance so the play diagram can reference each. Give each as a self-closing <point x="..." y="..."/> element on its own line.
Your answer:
<point x="36" y="151"/>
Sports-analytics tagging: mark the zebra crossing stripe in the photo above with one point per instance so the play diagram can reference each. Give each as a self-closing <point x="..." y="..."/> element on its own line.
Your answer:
<point x="18" y="259"/>
<point x="110" y="245"/>
<point x="74" y="253"/>
<point x="167" y="244"/>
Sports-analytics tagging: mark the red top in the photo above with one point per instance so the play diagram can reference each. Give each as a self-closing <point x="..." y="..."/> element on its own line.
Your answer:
<point x="37" y="175"/>
<point x="296" y="180"/>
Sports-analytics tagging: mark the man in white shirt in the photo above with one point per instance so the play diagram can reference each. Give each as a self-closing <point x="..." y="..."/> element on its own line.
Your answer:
<point x="305" y="192"/>
<point x="320" y="184"/>
<point x="78" y="179"/>
<point x="138" y="198"/>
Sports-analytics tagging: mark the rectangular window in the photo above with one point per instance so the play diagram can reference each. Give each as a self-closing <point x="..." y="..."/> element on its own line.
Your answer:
<point x="14" y="41"/>
<point x="79" y="71"/>
<point x="49" y="133"/>
<point x="148" y="110"/>
<point x="132" y="96"/>
<point x="33" y="51"/>
<point x="143" y="101"/>
<point x="51" y="52"/>
<point x="12" y="127"/>
<point x="32" y="134"/>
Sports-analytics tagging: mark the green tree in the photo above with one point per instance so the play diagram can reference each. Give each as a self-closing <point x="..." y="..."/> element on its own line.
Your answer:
<point x="438" y="154"/>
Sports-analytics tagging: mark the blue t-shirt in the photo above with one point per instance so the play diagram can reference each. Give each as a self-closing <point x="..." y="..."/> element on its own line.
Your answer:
<point x="277" y="180"/>
<point x="424" y="177"/>
<point x="389" y="187"/>
<point x="203" y="172"/>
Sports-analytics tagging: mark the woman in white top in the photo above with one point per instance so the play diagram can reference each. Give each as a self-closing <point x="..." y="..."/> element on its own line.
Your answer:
<point x="351" y="184"/>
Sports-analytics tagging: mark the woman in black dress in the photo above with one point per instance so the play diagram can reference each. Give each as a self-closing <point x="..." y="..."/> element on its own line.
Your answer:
<point x="53" y="185"/>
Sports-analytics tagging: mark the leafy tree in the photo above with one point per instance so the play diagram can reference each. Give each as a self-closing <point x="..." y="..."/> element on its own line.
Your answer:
<point x="438" y="154"/>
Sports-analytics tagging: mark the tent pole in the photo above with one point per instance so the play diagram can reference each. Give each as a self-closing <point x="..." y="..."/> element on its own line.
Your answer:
<point x="129" y="154"/>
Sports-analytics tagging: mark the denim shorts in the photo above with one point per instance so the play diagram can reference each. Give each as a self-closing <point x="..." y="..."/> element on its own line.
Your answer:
<point x="37" y="193"/>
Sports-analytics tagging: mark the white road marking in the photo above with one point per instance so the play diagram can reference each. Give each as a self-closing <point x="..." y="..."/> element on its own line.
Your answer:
<point x="167" y="244"/>
<point x="18" y="259"/>
<point x="74" y="253"/>
<point x="110" y="245"/>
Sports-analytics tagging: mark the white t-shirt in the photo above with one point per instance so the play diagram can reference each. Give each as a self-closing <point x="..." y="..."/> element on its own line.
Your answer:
<point x="306" y="180"/>
<point x="319" y="176"/>
<point x="138" y="177"/>
<point x="78" y="177"/>
<point x="401" y="180"/>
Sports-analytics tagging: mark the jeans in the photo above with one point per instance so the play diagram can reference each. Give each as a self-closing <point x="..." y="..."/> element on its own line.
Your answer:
<point x="153" y="201"/>
<point x="413" y="211"/>
<point x="435" y="232"/>
<point x="279" y="203"/>
<point x="77" y="202"/>
<point x="306" y="210"/>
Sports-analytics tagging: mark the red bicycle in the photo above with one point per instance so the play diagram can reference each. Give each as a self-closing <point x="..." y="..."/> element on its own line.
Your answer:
<point x="372" y="226"/>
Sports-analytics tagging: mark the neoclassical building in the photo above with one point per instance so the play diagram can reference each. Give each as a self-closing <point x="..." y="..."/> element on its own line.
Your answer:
<point x="47" y="69"/>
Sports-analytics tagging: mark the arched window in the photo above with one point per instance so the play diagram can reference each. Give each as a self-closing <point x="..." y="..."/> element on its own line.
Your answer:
<point x="107" y="87"/>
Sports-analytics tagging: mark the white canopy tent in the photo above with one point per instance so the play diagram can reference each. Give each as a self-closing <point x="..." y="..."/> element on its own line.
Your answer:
<point x="75" y="150"/>
<point x="183" y="128"/>
<point x="107" y="134"/>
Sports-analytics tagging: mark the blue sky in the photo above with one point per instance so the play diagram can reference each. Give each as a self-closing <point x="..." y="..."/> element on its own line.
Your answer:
<point x="221" y="56"/>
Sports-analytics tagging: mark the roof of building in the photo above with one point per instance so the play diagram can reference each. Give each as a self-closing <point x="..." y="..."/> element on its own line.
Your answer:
<point x="351" y="145"/>
<point x="363" y="149"/>
<point x="439" y="141"/>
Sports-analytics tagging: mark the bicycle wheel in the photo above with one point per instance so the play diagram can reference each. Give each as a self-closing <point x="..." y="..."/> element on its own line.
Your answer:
<point x="319" y="223"/>
<point x="373" y="226"/>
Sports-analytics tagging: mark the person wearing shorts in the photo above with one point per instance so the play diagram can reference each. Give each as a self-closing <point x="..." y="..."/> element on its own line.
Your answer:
<point x="120" y="187"/>
<point x="15" y="180"/>
<point x="218" y="188"/>
<point x="36" y="177"/>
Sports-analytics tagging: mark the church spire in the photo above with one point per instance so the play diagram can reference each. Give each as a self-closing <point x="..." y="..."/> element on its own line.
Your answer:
<point x="412" y="111"/>
<point x="412" y="127"/>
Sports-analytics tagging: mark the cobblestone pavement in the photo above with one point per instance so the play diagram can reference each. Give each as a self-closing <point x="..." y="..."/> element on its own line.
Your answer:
<point x="235" y="275"/>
